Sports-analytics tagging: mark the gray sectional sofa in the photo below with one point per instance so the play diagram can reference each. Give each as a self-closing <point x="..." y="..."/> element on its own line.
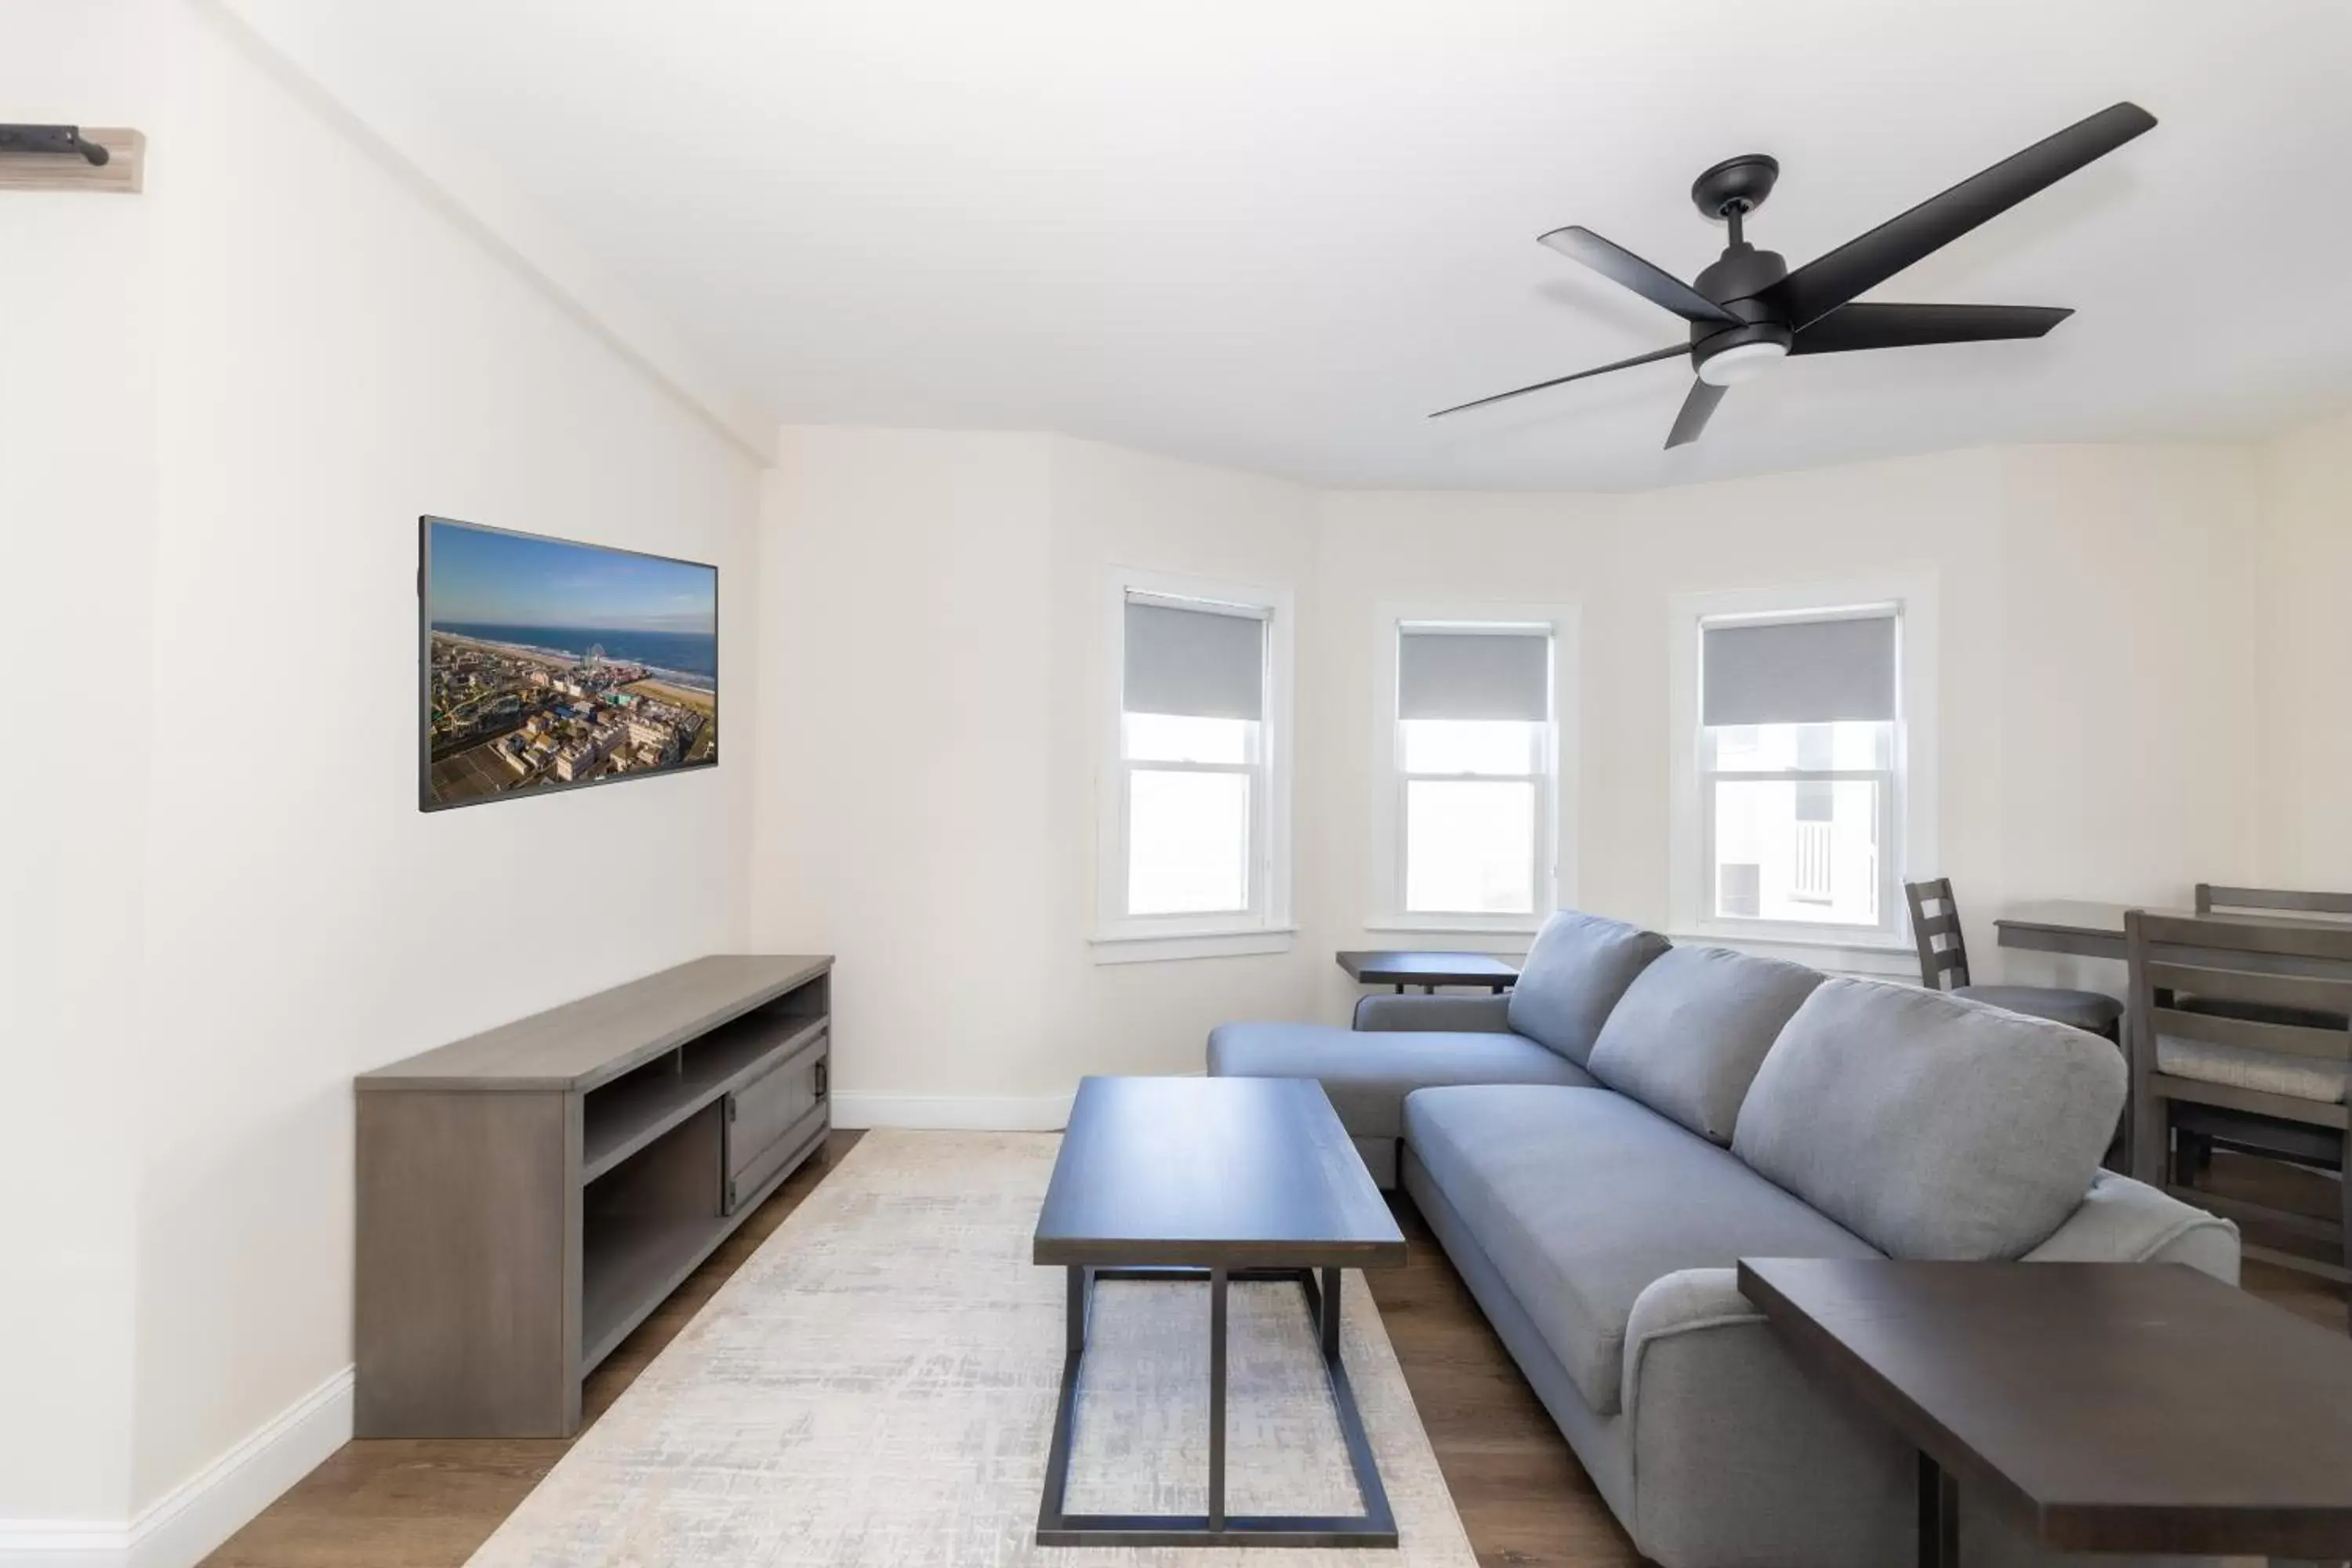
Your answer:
<point x="1596" y="1149"/>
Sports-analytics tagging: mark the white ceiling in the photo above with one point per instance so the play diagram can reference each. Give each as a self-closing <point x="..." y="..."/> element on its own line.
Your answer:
<point x="1275" y="234"/>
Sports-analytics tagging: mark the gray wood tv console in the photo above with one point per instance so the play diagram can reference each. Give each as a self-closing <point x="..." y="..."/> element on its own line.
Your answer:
<point x="528" y="1195"/>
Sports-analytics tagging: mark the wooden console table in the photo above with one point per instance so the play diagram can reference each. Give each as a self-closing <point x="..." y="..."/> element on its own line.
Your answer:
<point x="528" y="1195"/>
<point x="2139" y="1407"/>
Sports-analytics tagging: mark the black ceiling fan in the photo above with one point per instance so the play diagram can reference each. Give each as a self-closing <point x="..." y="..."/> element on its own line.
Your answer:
<point x="1748" y="309"/>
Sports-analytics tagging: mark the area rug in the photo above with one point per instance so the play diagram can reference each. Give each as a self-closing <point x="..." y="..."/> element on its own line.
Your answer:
<point x="876" y="1386"/>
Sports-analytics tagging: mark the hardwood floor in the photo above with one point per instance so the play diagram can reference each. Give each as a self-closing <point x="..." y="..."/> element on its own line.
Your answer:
<point x="1523" y="1498"/>
<point x="411" y="1503"/>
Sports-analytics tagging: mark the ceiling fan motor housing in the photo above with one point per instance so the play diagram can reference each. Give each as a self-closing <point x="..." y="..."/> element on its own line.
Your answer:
<point x="1734" y="281"/>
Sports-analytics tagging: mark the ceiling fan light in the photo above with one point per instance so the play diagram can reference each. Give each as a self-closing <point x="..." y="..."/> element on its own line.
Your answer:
<point x="1741" y="362"/>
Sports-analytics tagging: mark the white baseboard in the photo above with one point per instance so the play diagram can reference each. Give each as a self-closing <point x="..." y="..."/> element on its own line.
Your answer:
<point x="63" y="1543"/>
<point x="180" y="1528"/>
<point x="958" y="1113"/>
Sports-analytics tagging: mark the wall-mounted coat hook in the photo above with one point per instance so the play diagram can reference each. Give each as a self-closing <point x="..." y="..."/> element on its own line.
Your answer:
<point x="66" y="140"/>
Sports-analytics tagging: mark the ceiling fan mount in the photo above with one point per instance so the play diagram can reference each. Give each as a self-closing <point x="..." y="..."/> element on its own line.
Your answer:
<point x="1736" y="185"/>
<point x="1748" y="311"/>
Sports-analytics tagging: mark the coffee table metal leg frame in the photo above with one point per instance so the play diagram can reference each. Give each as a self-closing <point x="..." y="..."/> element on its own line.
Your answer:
<point x="1376" y="1526"/>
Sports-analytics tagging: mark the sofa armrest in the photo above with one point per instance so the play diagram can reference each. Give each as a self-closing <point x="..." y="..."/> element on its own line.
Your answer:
<point x="1738" y="1456"/>
<point x="1452" y="1014"/>
<point x="2124" y="1221"/>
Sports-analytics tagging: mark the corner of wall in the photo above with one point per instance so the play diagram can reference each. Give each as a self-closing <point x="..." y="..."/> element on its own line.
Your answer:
<point x="308" y="59"/>
<point x="2302" y="548"/>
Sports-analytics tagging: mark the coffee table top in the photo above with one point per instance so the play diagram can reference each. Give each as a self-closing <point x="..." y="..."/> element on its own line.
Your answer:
<point x="1211" y="1172"/>
<point x="2116" y="1407"/>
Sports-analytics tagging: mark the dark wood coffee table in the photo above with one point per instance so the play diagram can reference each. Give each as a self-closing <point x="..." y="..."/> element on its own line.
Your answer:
<point x="1212" y="1179"/>
<point x="1430" y="970"/>
<point x="2109" y="1406"/>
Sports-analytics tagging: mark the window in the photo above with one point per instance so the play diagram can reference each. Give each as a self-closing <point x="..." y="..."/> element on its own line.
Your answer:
<point x="1193" y="810"/>
<point x="1467" y="824"/>
<point x="1803" y="732"/>
<point x="1797" y="720"/>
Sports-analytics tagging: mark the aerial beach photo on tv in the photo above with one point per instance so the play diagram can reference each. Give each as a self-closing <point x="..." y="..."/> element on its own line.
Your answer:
<point x="550" y="665"/>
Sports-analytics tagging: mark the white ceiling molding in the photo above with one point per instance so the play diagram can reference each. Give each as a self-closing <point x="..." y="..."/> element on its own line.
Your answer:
<point x="330" y="67"/>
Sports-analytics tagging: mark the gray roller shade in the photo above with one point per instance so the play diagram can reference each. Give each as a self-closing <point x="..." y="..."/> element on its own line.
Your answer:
<point x="1798" y="672"/>
<point x="1473" y="675"/>
<point x="1203" y="663"/>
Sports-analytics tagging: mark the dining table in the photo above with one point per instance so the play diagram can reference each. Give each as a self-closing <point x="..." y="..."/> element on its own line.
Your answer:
<point x="2087" y="929"/>
<point x="2078" y="926"/>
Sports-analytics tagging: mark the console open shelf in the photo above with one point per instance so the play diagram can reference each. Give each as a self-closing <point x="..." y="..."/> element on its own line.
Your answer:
<point x="635" y="1261"/>
<point x="529" y="1195"/>
<point x="625" y="1115"/>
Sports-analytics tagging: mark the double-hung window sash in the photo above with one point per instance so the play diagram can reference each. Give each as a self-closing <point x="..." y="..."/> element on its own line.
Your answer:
<point x="1193" y="749"/>
<point x="1798" y="739"/>
<point x="1474" y="713"/>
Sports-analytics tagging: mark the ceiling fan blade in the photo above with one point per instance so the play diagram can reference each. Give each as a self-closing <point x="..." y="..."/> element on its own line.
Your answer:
<point x="1696" y="408"/>
<point x="1621" y="266"/>
<point x="1676" y="352"/>
<point x="1869" y="326"/>
<point x="1820" y="286"/>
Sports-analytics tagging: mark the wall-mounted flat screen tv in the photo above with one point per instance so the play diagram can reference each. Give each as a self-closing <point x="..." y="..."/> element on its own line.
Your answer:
<point x="550" y="665"/>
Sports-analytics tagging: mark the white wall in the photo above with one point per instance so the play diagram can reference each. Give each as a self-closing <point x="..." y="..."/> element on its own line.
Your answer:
<point x="76" y="506"/>
<point x="933" y="605"/>
<point x="902" y="794"/>
<point x="933" y="602"/>
<point x="339" y="359"/>
<point x="2095" y="606"/>
<point x="1113" y="508"/>
<point x="245" y="907"/>
<point x="932" y="664"/>
<point x="2306" y="622"/>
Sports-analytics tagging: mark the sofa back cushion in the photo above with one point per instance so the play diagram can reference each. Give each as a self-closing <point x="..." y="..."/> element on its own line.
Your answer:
<point x="1929" y="1125"/>
<point x="1577" y="969"/>
<point x="1690" y="1032"/>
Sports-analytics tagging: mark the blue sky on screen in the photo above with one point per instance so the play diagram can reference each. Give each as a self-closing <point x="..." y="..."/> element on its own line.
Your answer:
<point x="483" y="578"/>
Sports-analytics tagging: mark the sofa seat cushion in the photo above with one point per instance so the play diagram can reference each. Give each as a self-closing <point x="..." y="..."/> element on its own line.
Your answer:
<point x="2241" y="1067"/>
<point x="1581" y="1197"/>
<point x="1692" y="1029"/>
<point x="1929" y="1125"/>
<point x="1576" y="969"/>
<point x="2090" y="1010"/>
<point x="1367" y="1075"/>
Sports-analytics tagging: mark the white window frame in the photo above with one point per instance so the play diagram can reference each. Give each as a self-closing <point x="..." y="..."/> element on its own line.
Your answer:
<point x="1910" y="817"/>
<point x="1555" y="870"/>
<point x="1267" y="926"/>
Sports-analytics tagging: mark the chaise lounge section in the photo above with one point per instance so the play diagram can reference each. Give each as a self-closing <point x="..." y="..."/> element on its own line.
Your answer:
<point x="1698" y="1106"/>
<point x="1542" y="1033"/>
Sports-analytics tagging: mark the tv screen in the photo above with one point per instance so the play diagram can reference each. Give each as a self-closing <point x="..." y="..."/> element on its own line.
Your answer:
<point x="550" y="665"/>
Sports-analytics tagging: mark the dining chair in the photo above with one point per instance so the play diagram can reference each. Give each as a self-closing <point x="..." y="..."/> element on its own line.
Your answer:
<point x="2280" y="903"/>
<point x="2206" y="1077"/>
<point x="1944" y="966"/>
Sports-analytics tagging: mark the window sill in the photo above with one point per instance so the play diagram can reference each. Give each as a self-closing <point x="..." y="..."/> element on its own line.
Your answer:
<point x="1872" y="957"/>
<point x="1148" y="947"/>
